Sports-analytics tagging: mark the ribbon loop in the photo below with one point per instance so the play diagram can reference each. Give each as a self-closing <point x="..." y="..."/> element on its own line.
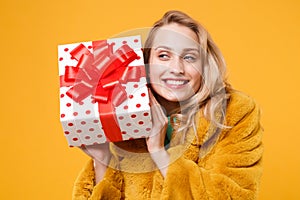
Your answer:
<point x="70" y="73"/>
<point x="78" y="51"/>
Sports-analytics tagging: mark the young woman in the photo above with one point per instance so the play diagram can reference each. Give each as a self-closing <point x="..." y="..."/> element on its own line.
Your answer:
<point x="206" y="137"/>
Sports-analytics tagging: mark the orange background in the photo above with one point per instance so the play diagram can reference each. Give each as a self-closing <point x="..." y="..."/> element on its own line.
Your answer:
<point x="259" y="39"/>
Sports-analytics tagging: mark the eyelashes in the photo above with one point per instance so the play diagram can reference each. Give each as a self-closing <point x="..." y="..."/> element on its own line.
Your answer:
<point x="167" y="55"/>
<point x="190" y="58"/>
<point x="164" y="56"/>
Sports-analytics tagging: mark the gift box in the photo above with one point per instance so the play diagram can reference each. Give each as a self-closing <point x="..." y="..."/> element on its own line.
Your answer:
<point x="103" y="91"/>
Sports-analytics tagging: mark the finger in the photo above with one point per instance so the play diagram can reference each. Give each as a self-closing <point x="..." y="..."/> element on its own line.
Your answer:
<point x="156" y="106"/>
<point x="153" y="100"/>
<point x="158" y="112"/>
<point x="159" y="120"/>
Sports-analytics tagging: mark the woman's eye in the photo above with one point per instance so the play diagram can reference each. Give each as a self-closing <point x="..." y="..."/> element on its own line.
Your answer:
<point x="189" y="58"/>
<point x="163" y="56"/>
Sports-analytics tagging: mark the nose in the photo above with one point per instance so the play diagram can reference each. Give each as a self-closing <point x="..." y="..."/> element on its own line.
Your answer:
<point x="177" y="65"/>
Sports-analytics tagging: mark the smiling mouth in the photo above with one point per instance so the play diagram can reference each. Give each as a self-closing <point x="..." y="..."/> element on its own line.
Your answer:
<point x="175" y="83"/>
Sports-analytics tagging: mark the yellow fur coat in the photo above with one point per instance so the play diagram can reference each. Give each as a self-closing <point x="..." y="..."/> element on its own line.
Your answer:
<point x="218" y="168"/>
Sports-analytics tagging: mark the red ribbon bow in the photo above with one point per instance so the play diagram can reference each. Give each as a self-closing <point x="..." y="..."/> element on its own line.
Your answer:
<point x="101" y="74"/>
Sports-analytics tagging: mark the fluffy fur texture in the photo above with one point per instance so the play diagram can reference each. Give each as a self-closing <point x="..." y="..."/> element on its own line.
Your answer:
<point x="230" y="170"/>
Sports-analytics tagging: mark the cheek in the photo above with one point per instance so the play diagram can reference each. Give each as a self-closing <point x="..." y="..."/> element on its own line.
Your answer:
<point x="155" y="69"/>
<point x="154" y="79"/>
<point x="196" y="76"/>
<point x="151" y="67"/>
<point x="152" y="72"/>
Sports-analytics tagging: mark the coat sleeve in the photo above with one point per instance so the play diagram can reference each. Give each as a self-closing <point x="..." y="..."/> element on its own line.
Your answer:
<point x="231" y="170"/>
<point x="85" y="188"/>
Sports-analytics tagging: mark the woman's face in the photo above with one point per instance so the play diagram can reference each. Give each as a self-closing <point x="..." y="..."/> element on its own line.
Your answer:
<point x="175" y="66"/>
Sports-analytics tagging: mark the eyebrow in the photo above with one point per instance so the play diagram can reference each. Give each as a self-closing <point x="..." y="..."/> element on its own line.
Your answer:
<point x="163" y="47"/>
<point x="170" y="49"/>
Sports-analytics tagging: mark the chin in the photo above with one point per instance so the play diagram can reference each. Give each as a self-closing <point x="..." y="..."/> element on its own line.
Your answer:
<point x="174" y="96"/>
<point x="176" y="99"/>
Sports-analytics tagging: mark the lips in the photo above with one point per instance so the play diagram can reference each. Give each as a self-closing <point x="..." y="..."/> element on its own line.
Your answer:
<point x="176" y="83"/>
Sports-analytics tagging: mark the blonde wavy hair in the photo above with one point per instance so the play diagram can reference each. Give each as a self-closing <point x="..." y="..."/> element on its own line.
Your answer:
<point x="214" y="90"/>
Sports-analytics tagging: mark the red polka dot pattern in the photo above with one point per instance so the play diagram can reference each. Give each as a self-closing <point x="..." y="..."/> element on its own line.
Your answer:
<point x="81" y="122"/>
<point x="146" y="114"/>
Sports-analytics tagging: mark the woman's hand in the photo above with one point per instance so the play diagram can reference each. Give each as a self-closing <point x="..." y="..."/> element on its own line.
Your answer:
<point x="156" y="139"/>
<point x="101" y="156"/>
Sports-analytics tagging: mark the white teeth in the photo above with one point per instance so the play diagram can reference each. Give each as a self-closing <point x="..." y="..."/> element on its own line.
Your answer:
<point x="175" y="82"/>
